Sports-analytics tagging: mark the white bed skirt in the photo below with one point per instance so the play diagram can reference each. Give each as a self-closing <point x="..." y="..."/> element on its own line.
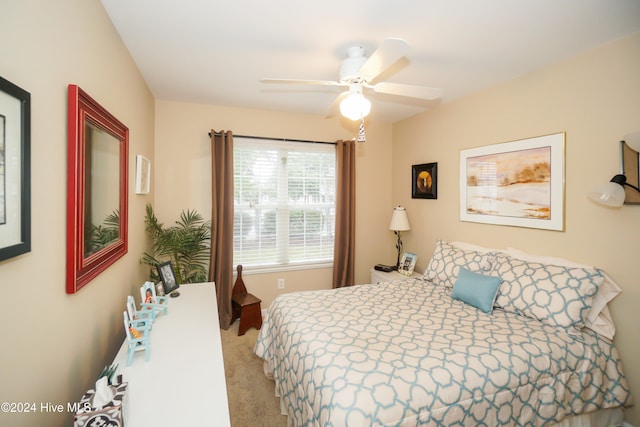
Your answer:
<point x="602" y="418"/>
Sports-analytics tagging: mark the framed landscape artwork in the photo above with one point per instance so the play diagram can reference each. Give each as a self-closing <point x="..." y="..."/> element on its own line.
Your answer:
<point x="518" y="183"/>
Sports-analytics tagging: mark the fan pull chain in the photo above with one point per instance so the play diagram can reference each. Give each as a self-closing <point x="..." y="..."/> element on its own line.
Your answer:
<point x="361" y="136"/>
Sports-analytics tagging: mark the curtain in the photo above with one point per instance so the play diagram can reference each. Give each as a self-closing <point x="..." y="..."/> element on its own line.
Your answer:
<point x="344" y="249"/>
<point x="221" y="260"/>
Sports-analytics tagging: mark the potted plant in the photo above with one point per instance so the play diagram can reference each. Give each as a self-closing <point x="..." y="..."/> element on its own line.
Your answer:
<point x="185" y="244"/>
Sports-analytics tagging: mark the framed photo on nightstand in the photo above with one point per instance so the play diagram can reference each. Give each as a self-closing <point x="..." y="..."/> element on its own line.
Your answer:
<point x="407" y="263"/>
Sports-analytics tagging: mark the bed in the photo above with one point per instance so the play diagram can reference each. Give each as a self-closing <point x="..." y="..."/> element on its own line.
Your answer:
<point x="413" y="352"/>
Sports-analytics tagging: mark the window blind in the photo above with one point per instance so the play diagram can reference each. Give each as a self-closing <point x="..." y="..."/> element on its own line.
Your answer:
<point x="284" y="202"/>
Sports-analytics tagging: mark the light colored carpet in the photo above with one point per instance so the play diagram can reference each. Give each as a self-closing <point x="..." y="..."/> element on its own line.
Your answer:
<point x="251" y="395"/>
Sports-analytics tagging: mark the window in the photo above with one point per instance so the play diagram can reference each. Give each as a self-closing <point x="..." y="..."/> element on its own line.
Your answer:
<point x="284" y="202"/>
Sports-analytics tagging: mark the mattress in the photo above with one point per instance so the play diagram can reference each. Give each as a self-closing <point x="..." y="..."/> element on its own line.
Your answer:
<point x="405" y="353"/>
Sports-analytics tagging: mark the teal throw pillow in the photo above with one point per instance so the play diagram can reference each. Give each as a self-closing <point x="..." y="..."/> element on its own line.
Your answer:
<point x="476" y="289"/>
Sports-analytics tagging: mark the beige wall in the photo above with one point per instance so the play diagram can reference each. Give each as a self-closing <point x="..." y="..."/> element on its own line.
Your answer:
<point x="595" y="99"/>
<point x="183" y="177"/>
<point x="54" y="344"/>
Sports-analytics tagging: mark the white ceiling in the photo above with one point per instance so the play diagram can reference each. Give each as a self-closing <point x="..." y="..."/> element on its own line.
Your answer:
<point x="216" y="51"/>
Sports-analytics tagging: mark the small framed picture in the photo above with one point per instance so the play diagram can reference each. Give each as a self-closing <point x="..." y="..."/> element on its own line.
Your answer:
<point x="168" y="277"/>
<point x="424" y="181"/>
<point x="143" y="174"/>
<point x="407" y="263"/>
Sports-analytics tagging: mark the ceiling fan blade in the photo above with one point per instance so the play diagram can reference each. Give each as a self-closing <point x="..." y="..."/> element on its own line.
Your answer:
<point x="421" y="92"/>
<point x="386" y="55"/>
<point x="303" y="82"/>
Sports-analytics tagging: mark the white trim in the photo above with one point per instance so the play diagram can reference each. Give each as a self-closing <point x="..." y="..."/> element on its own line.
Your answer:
<point x="248" y="270"/>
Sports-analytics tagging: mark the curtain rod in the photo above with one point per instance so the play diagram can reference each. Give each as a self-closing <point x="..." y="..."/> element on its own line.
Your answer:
<point x="266" y="138"/>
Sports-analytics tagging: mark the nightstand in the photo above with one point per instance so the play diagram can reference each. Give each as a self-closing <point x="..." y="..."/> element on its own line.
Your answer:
<point x="380" y="276"/>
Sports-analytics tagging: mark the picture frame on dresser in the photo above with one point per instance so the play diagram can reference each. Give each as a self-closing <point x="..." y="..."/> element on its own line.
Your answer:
<point x="15" y="170"/>
<point x="407" y="263"/>
<point x="168" y="277"/>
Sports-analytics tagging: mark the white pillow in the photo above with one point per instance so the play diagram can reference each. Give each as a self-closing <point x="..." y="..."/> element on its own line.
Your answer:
<point x="525" y="256"/>
<point x="599" y="318"/>
<point x="472" y="247"/>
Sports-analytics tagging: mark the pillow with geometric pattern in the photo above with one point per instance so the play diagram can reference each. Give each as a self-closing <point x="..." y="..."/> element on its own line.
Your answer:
<point x="559" y="296"/>
<point x="446" y="262"/>
<point x="599" y="318"/>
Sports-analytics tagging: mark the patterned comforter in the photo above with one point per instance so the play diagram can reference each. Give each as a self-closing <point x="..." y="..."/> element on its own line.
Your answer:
<point x="406" y="353"/>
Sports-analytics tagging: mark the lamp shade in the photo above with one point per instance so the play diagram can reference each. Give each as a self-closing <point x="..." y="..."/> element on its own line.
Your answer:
<point x="399" y="220"/>
<point x="633" y="140"/>
<point x="609" y="193"/>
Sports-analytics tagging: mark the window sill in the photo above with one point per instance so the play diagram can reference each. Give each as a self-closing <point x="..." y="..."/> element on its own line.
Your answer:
<point x="248" y="270"/>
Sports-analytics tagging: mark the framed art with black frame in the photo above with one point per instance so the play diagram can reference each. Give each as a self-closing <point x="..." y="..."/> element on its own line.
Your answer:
<point x="168" y="277"/>
<point x="15" y="170"/>
<point x="424" y="181"/>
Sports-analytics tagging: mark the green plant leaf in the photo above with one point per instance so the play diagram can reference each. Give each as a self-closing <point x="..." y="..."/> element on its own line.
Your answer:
<point x="186" y="244"/>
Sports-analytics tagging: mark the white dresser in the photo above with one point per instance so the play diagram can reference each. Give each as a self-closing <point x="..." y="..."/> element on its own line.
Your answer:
<point x="183" y="383"/>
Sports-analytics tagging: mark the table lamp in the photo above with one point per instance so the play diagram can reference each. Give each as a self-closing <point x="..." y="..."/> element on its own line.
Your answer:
<point x="399" y="222"/>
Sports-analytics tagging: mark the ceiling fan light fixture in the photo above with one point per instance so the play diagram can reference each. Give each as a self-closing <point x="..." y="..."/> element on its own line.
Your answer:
<point x="358" y="71"/>
<point x="355" y="106"/>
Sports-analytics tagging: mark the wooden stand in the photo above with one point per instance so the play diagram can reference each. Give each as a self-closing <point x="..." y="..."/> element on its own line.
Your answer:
<point x="245" y="306"/>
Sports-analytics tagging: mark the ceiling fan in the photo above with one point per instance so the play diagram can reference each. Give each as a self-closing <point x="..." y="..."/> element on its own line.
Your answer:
<point x="357" y="72"/>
